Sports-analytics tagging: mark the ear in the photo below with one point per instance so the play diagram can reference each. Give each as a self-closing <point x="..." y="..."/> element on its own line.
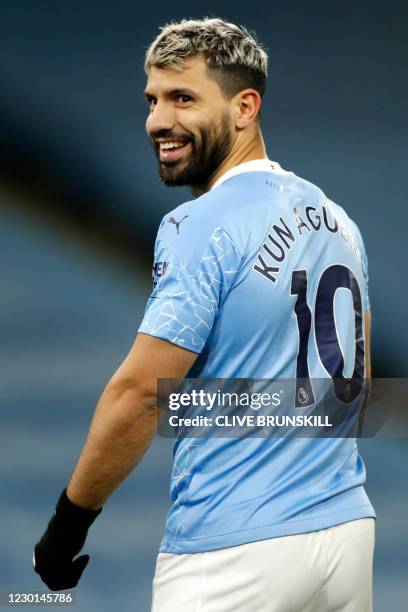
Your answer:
<point x="247" y="104"/>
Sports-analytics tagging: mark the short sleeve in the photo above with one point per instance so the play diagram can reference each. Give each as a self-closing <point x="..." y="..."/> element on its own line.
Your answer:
<point x="190" y="283"/>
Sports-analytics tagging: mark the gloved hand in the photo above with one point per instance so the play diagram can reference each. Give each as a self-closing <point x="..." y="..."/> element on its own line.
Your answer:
<point x="53" y="557"/>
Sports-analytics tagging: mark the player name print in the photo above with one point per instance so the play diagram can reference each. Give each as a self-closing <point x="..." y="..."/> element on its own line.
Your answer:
<point x="284" y="234"/>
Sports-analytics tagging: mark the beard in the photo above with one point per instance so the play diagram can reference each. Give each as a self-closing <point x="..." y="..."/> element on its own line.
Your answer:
<point x="207" y="154"/>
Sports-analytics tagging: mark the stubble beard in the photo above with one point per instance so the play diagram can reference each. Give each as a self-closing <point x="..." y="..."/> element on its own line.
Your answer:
<point x="204" y="159"/>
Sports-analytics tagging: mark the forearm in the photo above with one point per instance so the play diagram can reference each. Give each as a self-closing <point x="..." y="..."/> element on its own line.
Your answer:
<point x="121" y="431"/>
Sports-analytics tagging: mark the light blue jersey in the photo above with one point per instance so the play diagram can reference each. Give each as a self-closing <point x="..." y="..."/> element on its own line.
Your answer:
<point x="264" y="277"/>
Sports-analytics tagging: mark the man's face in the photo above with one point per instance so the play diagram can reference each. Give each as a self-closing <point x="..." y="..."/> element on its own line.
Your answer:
<point x="189" y="123"/>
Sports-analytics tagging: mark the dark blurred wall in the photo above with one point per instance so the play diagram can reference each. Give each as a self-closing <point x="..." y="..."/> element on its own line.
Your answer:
<point x="72" y="119"/>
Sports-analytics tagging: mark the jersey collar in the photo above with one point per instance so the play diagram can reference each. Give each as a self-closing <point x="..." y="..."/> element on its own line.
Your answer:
<point x="255" y="165"/>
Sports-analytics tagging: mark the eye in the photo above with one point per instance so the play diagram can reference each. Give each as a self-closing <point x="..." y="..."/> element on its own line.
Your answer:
<point x="151" y="102"/>
<point x="184" y="98"/>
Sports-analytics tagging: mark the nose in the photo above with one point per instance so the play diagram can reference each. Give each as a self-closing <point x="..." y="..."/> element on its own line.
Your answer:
<point x="161" y="118"/>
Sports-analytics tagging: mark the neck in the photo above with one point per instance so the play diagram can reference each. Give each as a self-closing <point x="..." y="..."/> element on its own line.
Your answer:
<point x="239" y="154"/>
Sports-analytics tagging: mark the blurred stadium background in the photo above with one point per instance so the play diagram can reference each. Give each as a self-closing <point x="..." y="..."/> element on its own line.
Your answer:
<point x="80" y="203"/>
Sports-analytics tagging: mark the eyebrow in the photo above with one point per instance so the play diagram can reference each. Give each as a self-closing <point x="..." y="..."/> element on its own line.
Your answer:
<point x="169" y="93"/>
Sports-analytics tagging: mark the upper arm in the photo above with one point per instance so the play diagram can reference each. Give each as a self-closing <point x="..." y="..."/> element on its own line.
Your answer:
<point x="191" y="276"/>
<point x="151" y="358"/>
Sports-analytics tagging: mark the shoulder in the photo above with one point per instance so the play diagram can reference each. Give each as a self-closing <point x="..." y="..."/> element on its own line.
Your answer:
<point x="196" y="231"/>
<point x="193" y="224"/>
<point x="348" y="228"/>
<point x="221" y="207"/>
<point x="336" y="210"/>
<point x="302" y="187"/>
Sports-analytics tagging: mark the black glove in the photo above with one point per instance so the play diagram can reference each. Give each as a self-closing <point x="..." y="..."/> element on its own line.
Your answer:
<point x="63" y="539"/>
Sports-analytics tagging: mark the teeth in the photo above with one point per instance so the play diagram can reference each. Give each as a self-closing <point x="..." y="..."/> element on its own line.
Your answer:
<point x="164" y="146"/>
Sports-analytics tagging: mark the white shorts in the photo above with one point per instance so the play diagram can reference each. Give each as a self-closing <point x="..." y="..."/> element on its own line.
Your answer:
<point x="321" y="571"/>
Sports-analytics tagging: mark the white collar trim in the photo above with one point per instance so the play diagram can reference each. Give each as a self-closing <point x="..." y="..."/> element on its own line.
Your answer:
<point x="255" y="165"/>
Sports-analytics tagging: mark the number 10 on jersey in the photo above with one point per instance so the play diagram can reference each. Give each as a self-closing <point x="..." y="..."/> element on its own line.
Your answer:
<point x="327" y="341"/>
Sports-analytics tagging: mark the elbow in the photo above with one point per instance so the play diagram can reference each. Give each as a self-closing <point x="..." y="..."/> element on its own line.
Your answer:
<point x="131" y="391"/>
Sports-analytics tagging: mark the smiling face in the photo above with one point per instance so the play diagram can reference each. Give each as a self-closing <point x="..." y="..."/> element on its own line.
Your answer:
<point x="189" y="123"/>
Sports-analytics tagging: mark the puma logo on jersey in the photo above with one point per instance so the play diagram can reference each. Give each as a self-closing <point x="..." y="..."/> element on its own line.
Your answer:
<point x="176" y="223"/>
